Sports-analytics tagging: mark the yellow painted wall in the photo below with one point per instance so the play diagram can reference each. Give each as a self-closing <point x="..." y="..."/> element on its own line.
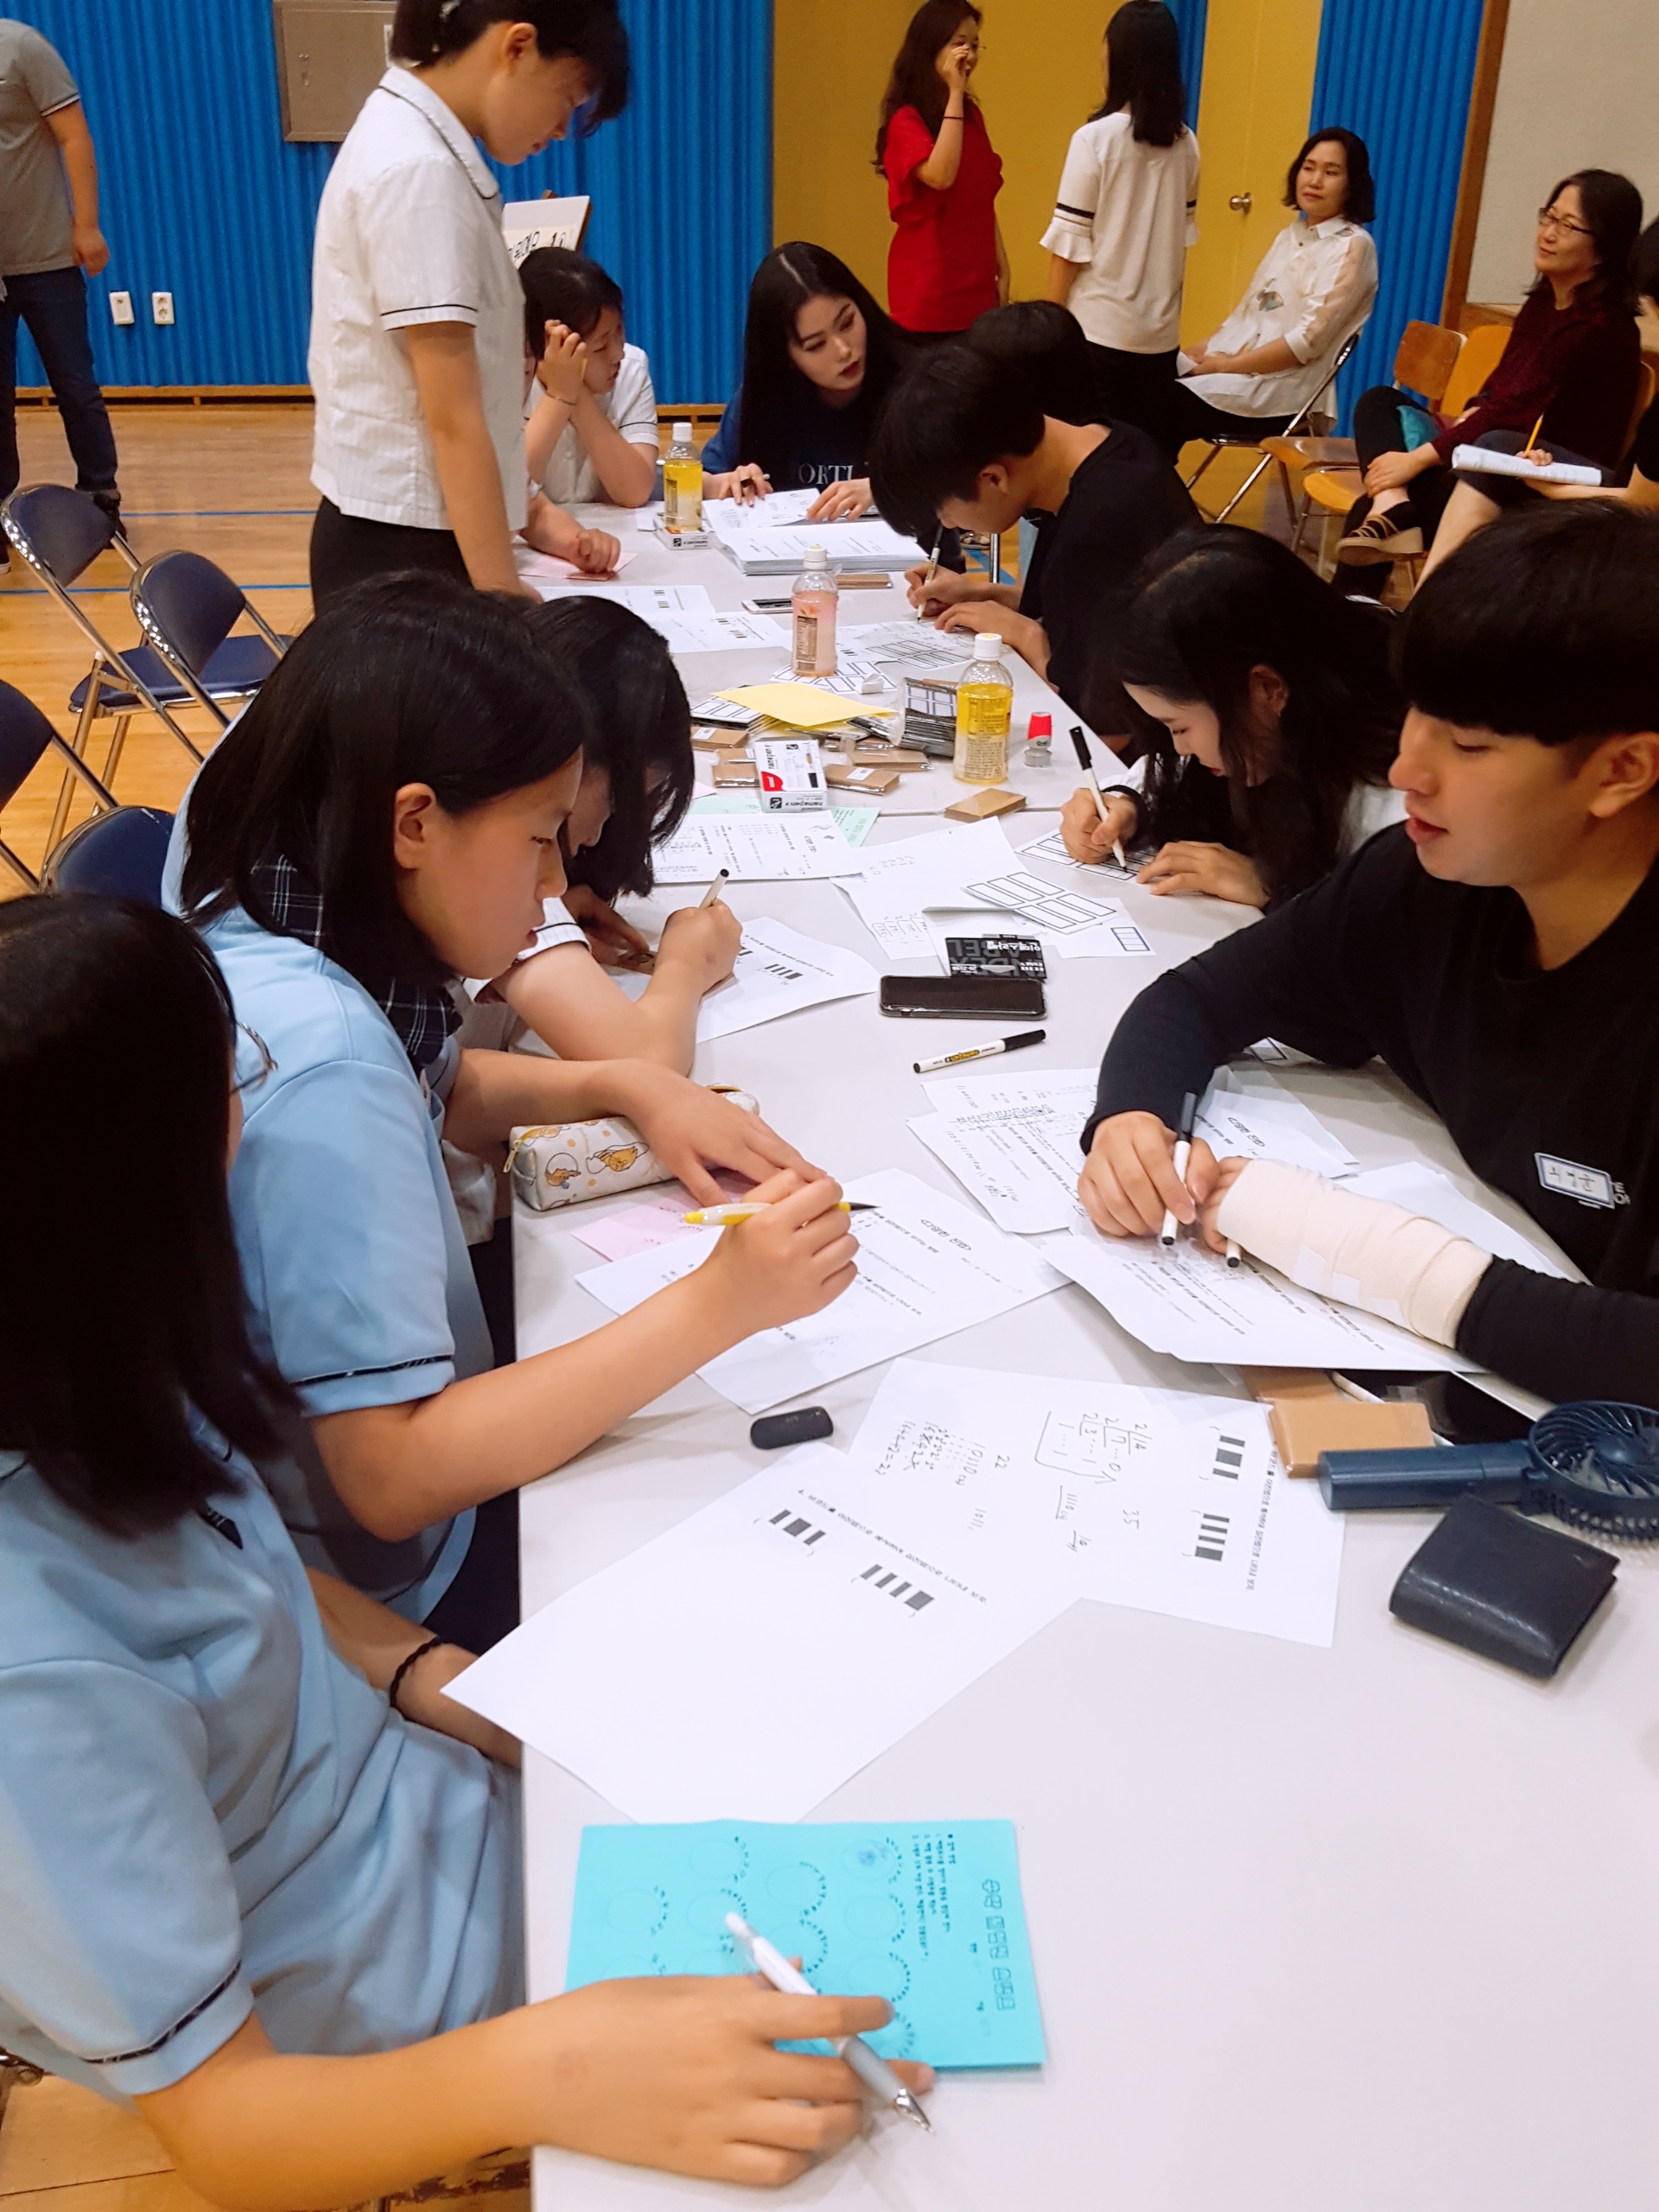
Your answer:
<point x="1039" y="79"/>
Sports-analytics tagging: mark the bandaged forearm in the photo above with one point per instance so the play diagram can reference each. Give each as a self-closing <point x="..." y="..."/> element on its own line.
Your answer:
<point x="1360" y="1251"/>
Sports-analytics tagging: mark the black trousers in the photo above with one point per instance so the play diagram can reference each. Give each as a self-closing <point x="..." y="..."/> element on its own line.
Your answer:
<point x="1135" y="387"/>
<point x="52" y="306"/>
<point x="347" y="549"/>
<point x="1379" y="429"/>
<point x="1192" y="416"/>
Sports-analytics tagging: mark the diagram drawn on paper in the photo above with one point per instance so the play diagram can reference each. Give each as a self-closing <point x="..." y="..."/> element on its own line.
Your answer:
<point x="1062" y="912"/>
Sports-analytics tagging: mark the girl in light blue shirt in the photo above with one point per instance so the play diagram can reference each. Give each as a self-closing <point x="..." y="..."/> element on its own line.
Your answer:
<point x="242" y="1887"/>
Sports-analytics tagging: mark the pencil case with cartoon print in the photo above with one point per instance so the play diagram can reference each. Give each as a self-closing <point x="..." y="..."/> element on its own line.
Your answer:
<point x="560" y="1163"/>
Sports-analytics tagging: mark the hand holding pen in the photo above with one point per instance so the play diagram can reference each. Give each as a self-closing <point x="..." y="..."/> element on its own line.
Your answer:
<point x="1080" y="747"/>
<point x="873" y="2070"/>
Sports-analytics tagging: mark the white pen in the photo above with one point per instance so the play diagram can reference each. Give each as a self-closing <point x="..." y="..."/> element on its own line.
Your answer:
<point x="1172" y="1227"/>
<point x="932" y="571"/>
<point x="715" y="889"/>
<point x="1017" y="1042"/>
<point x="871" y="2070"/>
<point x="1235" y="1257"/>
<point x="1080" y="745"/>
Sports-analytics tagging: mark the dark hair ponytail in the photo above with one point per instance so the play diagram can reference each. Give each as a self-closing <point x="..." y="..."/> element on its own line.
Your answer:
<point x="590" y="31"/>
<point x="1143" y="71"/>
<point x="138" y="1217"/>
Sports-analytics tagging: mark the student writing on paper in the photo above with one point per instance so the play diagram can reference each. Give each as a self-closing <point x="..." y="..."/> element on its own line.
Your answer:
<point x="819" y="358"/>
<point x="1315" y="287"/>
<point x="1497" y="951"/>
<point x="591" y="426"/>
<point x="259" y="1877"/>
<point x="417" y="319"/>
<point x="1268" y="719"/>
<point x="637" y="776"/>
<point x="384" y="818"/>
<point x="1123" y="220"/>
<point x="1572" y="358"/>
<point x="1478" y="498"/>
<point x="964" y="443"/>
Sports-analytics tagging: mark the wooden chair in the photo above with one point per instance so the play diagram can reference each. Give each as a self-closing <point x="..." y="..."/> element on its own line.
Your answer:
<point x="1331" y="487"/>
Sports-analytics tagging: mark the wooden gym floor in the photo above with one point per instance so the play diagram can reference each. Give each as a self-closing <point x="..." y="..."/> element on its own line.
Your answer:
<point x="231" y="482"/>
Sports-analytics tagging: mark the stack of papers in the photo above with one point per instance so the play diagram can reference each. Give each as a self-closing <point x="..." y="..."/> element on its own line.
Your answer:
<point x="927" y="1268"/>
<point x="867" y="547"/>
<point x="683" y="615"/>
<point x="755" y="848"/>
<point x="929" y="1917"/>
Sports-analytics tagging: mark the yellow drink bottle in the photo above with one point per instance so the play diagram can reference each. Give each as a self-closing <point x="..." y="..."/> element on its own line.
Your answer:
<point x="984" y="711"/>
<point x="682" y="484"/>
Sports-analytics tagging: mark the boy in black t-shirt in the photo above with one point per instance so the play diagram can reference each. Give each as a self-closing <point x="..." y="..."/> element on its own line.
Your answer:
<point x="964" y="443"/>
<point x="1498" y="952"/>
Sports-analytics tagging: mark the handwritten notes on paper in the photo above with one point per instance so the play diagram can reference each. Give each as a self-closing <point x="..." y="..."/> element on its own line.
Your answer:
<point x="754" y="848"/>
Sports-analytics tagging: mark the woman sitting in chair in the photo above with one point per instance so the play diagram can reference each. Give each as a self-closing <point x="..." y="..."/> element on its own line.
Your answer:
<point x="1277" y="351"/>
<point x="1569" y="369"/>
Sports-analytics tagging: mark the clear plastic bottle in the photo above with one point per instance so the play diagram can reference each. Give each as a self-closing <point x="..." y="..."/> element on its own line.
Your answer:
<point x="682" y="485"/>
<point x="984" y="711"/>
<point x="813" y="602"/>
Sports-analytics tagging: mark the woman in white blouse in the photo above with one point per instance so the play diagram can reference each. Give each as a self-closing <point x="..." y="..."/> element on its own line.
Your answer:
<point x="1123" y="220"/>
<point x="1315" y="287"/>
<point x="417" y="331"/>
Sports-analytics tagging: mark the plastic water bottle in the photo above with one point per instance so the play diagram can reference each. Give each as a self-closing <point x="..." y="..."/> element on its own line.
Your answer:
<point x="813" y="602"/>
<point x="682" y="485"/>
<point x="984" y="712"/>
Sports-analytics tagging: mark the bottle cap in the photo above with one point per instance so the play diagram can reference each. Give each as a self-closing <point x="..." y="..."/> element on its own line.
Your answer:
<point x="1040" y="726"/>
<point x="682" y="434"/>
<point x="816" y="557"/>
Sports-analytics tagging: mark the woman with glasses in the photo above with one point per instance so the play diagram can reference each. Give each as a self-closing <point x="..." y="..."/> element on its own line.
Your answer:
<point x="947" y="262"/>
<point x="1570" y="368"/>
<point x="386" y="817"/>
<point x="259" y="1878"/>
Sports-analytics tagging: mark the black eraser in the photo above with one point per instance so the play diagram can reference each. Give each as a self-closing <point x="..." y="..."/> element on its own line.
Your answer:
<point x="772" y="1431"/>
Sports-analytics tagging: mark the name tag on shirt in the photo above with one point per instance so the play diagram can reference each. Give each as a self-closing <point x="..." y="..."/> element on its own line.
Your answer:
<point x="1591" y="1186"/>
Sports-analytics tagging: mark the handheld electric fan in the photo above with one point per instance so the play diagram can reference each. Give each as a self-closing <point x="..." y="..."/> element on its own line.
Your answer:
<point x="1595" y="1464"/>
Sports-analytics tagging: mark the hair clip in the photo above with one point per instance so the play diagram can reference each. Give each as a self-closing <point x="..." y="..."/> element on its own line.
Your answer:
<point x="448" y="8"/>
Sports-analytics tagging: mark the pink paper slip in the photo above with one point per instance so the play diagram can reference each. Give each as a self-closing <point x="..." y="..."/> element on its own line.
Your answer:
<point x="637" y="1229"/>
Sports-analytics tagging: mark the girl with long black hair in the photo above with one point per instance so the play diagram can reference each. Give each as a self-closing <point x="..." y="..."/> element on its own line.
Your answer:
<point x="258" y="1876"/>
<point x="384" y="818"/>
<point x="819" y="358"/>
<point x="1267" y="718"/>
<point x="637" y="771"/>
<point x="947" y="262"/>
<point x="1123" y="220"/>
<point x="418" y="348"/>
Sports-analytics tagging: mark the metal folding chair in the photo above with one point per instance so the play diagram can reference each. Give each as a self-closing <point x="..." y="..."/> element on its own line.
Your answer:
<point x="186" y="608"/>
<point x="26" y="737"/>
<point x="119" y="855"/>
<point x="1244" y="443"/>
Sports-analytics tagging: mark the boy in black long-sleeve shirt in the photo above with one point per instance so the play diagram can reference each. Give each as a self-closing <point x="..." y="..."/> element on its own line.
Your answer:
<point x="1500" y="952"/>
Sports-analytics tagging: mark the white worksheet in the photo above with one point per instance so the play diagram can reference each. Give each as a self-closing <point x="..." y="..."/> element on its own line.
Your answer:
<point x="927" y="1268"/>
<point x="651" y="602"/>
<point x="538" y="568"/>
<point x="1255" y="1118"/>
<point x="1052" y="849"/>
<point x="755" y="848"/>
<point x="1081" y="927"/>
<point x="719" y="633"/>
<point x="778" y="972"/>
<point x="851" y="672"/>
<point x="672" y="1682"/>
<point x="776" y="509"/>
<point x="776" y="550"/>
<point x="1153" y="1498"/>
<point x="1188" y="1303"/>
<point x="917" y="644"/>
<point x="900" y="881"/>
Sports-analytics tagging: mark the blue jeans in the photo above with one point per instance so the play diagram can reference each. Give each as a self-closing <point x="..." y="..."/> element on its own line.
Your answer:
<point x="53" y="304"/>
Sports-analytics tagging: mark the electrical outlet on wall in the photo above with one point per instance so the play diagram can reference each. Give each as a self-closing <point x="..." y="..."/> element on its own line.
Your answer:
<point x="120" y="309"/>
<point x="161" y="306"/>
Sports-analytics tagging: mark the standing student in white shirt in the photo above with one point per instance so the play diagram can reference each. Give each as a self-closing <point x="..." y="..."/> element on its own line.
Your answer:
<point x="591" y="431"/>
<point x="417" y="350"/>
<point x="1316" y="285"/>
<point x="1123" y="220"/>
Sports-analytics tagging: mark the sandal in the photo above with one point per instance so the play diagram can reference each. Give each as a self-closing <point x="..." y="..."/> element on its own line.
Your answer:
<point x="1395" y="535"/>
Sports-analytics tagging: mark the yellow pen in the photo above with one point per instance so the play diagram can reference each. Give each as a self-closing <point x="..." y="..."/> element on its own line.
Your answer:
<point x="729" y="1216"/>
<point x="1533" y="440"/>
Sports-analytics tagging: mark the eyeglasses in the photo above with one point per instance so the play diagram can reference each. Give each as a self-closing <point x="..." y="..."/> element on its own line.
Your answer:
<point x="1549" y="219"/>
<point x="266" y="1068"/>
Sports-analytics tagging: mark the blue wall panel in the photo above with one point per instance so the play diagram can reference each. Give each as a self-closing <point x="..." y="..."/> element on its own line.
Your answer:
<point x="203" y="198"/>
<point x="1402" y="74"/>
<point x="1192" y="16"/>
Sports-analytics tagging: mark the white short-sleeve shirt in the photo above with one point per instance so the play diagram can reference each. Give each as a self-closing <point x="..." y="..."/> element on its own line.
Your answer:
<point x="1126" y="210"/>
<point x="409" y="231"/>
<point x="631" y="404"/>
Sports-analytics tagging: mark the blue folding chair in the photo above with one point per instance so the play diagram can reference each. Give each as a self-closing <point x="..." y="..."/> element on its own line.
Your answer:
<point x="119" y="855"/>
<point x="26" y="737"/>
<point x="186" y="608"/>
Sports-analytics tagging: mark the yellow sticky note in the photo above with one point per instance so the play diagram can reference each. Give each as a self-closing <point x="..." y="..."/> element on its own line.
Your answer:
<point x="799" y="704"/>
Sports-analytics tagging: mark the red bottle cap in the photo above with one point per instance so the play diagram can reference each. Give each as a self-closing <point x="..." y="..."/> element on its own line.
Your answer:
<point x="1039" y="726"/>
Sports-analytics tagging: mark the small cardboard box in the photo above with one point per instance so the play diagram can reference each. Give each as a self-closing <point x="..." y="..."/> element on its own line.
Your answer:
<point x="1308" y="1414"/>
<point x="983" y="804"/>
<point x="866" y="776"/>
<point x="791" y="773"/>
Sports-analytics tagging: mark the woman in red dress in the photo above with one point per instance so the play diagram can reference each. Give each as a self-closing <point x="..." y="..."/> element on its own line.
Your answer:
<point x="947" y="262"/>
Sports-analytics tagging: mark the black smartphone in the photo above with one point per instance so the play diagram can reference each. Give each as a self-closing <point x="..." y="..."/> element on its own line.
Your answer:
<point x="971" y="998"/>
<point x="1458" y="1412"/>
